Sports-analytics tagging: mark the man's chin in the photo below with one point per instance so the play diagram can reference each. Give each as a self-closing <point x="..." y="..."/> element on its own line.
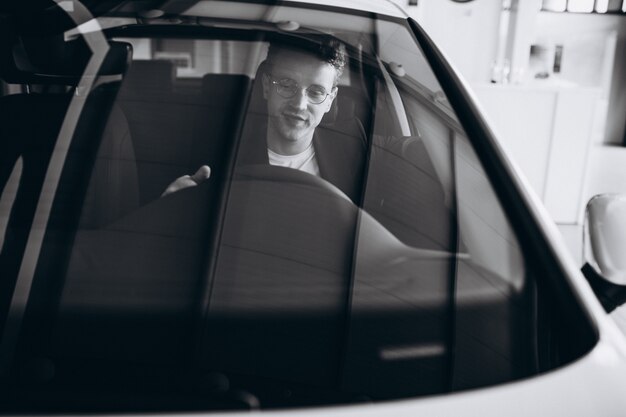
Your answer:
<point x="293" y="135"/>
<point x="293" y="139"/>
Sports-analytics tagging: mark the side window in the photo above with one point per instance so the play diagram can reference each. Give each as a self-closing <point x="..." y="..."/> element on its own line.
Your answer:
<point x="439" y="286"/>
<point x="483" y="226"/>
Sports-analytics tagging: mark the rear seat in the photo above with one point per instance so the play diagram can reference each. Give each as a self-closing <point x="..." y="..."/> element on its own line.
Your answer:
<point x="174" y="133"/>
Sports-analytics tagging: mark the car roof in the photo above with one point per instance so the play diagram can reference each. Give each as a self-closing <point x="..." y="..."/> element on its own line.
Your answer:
<point x="381" y="7"/>
<point x="32" y="12"/>
<point x="386" y="7"/>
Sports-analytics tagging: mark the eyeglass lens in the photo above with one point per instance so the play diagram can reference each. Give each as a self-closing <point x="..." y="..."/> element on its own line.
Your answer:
<point x="288" y="88"/>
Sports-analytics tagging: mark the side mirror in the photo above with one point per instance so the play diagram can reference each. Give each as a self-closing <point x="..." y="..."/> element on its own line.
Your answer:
<point x="604" y="246"/>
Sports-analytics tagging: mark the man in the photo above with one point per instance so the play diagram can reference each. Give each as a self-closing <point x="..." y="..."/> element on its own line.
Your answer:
<point x="299" y="86"/>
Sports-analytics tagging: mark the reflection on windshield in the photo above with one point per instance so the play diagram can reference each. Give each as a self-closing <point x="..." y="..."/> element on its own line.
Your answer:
<point x="264" y="218"/>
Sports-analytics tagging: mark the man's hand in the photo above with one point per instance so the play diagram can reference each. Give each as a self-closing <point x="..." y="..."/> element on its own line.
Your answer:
<point x="202" y="174"/>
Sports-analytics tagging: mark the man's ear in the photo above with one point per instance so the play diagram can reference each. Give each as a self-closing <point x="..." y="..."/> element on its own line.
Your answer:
<point x="265" y="79"/>
<point x="330" y="99"/>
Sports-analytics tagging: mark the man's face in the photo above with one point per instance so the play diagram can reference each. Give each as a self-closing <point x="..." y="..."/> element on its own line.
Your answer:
<point x="293" y="120"/>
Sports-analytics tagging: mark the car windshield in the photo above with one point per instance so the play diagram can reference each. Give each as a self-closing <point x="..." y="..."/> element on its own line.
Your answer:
<point x="224" y="206"/>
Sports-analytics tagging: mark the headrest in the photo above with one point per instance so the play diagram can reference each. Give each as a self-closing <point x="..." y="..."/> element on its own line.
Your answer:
<point x="148" y="78"/>
<point x="226" y="87"/>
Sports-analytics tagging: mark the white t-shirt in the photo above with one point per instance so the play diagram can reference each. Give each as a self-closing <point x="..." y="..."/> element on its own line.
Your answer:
<point x="304" y="161"/>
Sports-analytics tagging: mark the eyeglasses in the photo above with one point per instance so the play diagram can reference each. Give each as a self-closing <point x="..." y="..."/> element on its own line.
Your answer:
<point x="288" y="88"/>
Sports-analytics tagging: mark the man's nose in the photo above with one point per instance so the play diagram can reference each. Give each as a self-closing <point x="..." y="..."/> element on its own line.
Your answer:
<point x="300" y="100"/>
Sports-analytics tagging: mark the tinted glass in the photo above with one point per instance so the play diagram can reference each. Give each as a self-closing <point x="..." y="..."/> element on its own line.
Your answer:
<point x="382" y="265"/>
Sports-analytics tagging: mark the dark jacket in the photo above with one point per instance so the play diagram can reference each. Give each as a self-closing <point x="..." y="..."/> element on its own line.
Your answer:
<point x="340" y="151"/>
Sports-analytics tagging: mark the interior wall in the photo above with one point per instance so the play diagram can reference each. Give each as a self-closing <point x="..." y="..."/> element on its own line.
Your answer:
<point x="466" y="32"/>
<point x="593" y="56"/>
<point x="616" y="121"/>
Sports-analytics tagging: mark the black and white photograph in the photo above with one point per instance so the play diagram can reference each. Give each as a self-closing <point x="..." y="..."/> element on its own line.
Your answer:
<point x="316" y="208"/>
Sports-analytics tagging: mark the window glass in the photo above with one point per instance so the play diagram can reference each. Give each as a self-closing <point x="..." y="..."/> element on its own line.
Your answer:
<point x="193" y="58"/>
<point x="377" y="263"/>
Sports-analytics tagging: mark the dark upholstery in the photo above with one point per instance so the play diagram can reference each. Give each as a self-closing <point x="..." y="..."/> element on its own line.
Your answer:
<point x="402" y="187"/>
<point x="279" y="298"/>
<point x="114" y="186"/>
<point x="148" y="78"/>
<point x="175" y="132"/>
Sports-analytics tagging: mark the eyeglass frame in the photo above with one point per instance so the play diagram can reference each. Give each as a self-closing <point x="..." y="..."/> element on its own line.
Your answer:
<point x="276" y="84"/>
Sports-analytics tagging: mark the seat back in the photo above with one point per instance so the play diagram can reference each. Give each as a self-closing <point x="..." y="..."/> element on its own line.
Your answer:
<point x="175" y="131"/>
<point x="278" y="304"/>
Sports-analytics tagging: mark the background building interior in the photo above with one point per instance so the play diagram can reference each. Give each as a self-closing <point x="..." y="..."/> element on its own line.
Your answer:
<point x="550" y="76"/>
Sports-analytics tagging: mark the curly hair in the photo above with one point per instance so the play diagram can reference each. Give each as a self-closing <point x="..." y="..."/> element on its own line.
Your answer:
<point x="329" y="50"/>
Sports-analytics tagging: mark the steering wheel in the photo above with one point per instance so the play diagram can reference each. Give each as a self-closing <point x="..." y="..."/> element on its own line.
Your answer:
<point x="264" y="172"/>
